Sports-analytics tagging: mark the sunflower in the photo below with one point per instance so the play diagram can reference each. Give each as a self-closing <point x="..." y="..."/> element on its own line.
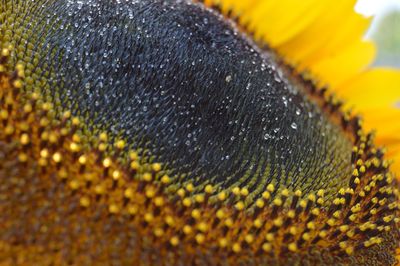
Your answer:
<point x="194" y="133"/>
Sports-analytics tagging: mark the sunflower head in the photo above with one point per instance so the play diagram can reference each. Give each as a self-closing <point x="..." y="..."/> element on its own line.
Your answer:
<point x="160" y="132"/>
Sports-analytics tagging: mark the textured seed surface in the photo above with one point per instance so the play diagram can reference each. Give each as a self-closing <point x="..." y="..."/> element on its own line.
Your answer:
<point x="155" y="131"/>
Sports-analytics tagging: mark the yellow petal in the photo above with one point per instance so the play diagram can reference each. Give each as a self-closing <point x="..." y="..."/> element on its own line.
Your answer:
<point x="285" y="20"/>
<point x="350" y="31"/>
<point x="241" y="7"/>
<point x="384" y="119"/>
<point x="274" y="21"/>
<point x="393" y="151"/>
<point x="373" y="88"/>
<point x="317" y="35"/>
<point x="396" y="164"/>
<point x="238" y="7"/>
<point x="343" y="65"/>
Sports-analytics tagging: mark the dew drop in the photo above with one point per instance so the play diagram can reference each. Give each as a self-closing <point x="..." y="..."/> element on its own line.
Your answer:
<point x="285" y="101"/>
<point x="267" y="136"/>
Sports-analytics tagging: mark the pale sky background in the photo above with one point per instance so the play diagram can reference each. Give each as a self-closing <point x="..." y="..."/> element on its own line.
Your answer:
<point x="377" y="8"/>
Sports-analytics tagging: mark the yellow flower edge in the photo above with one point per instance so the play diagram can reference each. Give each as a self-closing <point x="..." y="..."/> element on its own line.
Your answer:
<point x="325" y="39"/>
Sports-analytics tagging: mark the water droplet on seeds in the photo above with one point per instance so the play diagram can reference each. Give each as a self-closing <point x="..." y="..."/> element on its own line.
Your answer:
<point x="293" y="125"/>
<point x="285" y="101"/>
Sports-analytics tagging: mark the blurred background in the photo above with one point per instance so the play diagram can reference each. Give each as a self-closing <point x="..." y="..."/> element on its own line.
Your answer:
<point x="385" y="30"/>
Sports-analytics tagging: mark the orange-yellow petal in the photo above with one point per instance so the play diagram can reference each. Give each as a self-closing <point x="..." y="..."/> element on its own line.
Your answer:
<point x="341" y="66"/>
<point x="384" y="119"/>
<point x="343" y="35"/>
<point x="396" y="163"/>
<point x="285" y="20"/>
<point x="316" y="36"/>
<point x="374" y="88"/>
